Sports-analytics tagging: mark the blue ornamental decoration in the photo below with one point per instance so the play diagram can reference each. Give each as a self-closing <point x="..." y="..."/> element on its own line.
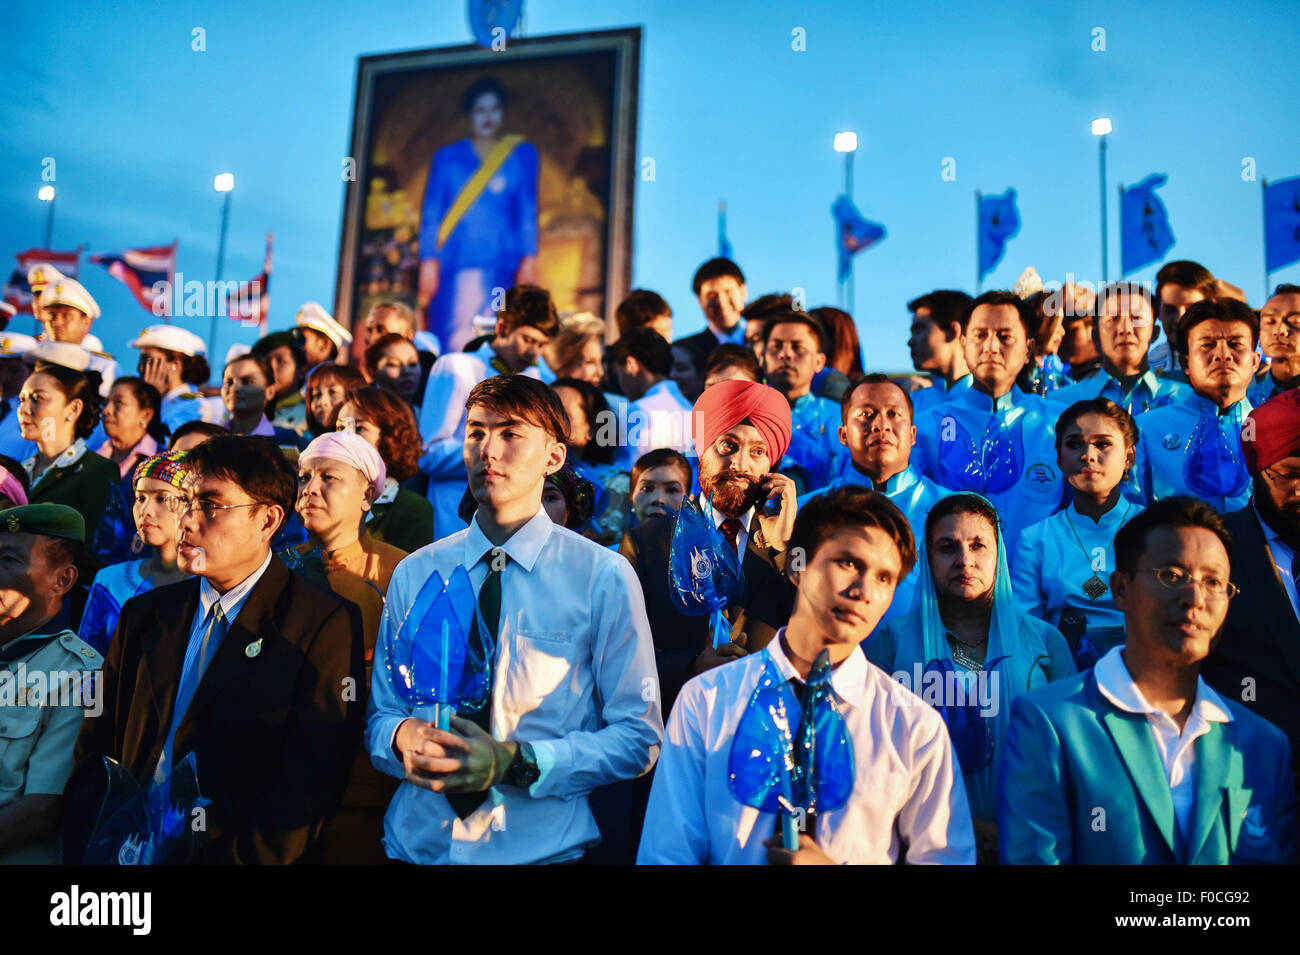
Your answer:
<point x="487" y="17"/>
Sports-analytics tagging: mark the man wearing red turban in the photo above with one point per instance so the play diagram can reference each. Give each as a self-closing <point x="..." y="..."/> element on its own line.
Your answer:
<point x="1257" y="658"/>
<point x="740" y="429"/>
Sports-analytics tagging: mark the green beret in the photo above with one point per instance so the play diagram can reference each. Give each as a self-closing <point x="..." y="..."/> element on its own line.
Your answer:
<point x="48" y="520"/>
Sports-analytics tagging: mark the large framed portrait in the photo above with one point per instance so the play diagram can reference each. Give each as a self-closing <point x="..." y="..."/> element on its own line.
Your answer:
<point x="478" y="169"/>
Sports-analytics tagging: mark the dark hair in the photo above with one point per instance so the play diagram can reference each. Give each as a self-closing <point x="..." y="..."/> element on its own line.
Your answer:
<point x="529" y="305"/>
<point x="960" y="504"/>
<point x="1176" y="511"/>
<point x="648" y="347"/>
<point x="998" y="297"/>
<point x="1098" y="406"/>
<point x="597" y="409"/>
<point x="77" y="384"/>
<point x="1188" y="274"/>
<point x="522" y="398"/>
<point x="251" y="461"/>
<point x="146" y="396"/>
<point x="1286" y="288"/>
<point x="733" y="356"/>
<point x="765" y="306"/>
<point x="259" y="359"/>
<point x="61" y="551"/>
<point x="290" y="339"/>
<point x="658" y="458"/>
<point x="377" y="347"/>
<point x="945" y="306"/>
<point x="714" y="269"/>
<point x="481" y="87"/>
<point x="1130" y="289"/>
<point x="851" y="506"/>
<point x="197" y="426"/>
<point x="844" y="351"/>
<point x="875" y="378"/>
<point x="1224" y="310"/>
<point x="795" y="318"/>
<point x="399" y="433"/>
<point x="641" y="307"/>
<point x="327" y="373"/>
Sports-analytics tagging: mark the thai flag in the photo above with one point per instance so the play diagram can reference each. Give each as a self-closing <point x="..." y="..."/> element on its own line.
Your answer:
<point x="141" y="270"/>
<point x="18" y="293"/>
<point x="254" y="299"/>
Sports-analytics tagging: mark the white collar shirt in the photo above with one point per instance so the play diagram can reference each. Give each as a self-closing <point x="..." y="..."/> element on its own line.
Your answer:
<point x="1283" y="556"/>
<point x="574" y="676"/>
<point x="908" y="800"/>
<point x="1176" y="747"/>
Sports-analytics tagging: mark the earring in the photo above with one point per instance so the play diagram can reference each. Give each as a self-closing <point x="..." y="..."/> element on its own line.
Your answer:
<point x="137" y="543"/>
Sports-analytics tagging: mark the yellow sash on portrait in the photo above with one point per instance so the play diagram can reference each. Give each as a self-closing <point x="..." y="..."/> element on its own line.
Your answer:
<point x="475" y="185"/>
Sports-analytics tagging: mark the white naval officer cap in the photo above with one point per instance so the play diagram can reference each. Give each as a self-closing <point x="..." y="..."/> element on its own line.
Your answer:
<point x="42" y="274"/>
<point x="171" y="338"/>
<point x="59" y="353"/>
<point x="313" y="315"/>
<point x="15" y="344"/>
<point x="66" y="291"/>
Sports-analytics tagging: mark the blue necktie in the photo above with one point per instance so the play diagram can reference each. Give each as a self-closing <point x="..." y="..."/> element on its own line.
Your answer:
<point x="212" y="637"/>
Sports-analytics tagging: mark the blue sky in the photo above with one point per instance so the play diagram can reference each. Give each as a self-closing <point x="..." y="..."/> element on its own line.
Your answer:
<point x="138" y="124"/>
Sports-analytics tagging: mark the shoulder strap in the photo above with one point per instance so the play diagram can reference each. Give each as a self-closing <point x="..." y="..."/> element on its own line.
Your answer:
<point x="475" y="185"/>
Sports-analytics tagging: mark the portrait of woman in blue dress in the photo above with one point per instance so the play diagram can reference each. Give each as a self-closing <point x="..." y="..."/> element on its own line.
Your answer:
<point x="155" y="506"/>
<point x="478" y="223"/>
<point x="1061" y="567"/>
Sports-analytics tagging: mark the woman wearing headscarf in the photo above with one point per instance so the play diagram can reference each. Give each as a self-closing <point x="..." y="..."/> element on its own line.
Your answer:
<point x="156" y="508"/>
<point x="1061" y="567"/>
<point x="339" y="476"/>
<point x="965" y="649"/>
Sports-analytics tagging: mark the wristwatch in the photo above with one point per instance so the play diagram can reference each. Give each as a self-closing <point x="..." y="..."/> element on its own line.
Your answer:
<point x="522" y="771"/>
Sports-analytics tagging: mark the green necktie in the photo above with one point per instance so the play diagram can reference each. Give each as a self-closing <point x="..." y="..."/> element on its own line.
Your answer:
<point x="489" y="604"/>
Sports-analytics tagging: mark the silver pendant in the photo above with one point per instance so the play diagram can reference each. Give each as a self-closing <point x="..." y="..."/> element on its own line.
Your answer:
<point x="1094" y="588"/>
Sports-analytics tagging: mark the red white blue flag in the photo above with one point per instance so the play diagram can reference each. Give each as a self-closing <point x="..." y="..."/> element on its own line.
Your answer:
<point x="141" y="270"/>
<point x="253" y="301"/>
<point x="18" y="293"/>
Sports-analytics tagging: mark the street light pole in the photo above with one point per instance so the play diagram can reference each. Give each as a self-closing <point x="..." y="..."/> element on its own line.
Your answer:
<point x="223" y="183"/>
<point x="847" y="143"/>
<point x="47" y="194"/>
<point x="848" y="191"/>
<point x="1101" y="129"/>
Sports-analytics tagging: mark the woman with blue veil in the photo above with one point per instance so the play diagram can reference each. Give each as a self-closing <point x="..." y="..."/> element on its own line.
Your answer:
<point x="965" y="649"/>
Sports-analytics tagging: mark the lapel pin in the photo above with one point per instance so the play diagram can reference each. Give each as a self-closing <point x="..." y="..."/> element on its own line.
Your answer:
<point x="253" y="649"/>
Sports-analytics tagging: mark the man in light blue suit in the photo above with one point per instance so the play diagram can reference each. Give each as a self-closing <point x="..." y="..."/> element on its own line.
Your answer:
<point x="1138" y="761"/>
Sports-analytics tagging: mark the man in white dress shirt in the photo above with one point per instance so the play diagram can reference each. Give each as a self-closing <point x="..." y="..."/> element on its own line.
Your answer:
<point x="907" y="801"/>
<point x="574" y="701"/>
<point x="658" y="416"/>
<point x="525" y="323"/>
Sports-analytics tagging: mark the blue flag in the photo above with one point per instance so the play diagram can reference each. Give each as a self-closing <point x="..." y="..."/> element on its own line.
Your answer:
<point x="1281" y="223"/>
<point x="999" y="223"/>
<point x="724" y="247"/>
<point x="1144" y="233"/>
<point x="852" y="232"/>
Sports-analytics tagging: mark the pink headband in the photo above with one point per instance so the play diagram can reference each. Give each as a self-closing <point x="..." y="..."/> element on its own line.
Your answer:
<point x="352" y="449"/>
<point x="12" y="488"/>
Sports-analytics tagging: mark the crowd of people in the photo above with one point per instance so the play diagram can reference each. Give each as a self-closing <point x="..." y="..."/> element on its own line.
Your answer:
<point x="1036" y="602"/>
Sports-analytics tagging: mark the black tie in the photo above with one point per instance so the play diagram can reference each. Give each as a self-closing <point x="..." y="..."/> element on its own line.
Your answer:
<point x="480" y="648"/>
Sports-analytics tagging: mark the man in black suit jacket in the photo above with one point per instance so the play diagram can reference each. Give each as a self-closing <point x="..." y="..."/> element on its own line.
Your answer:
<point x="720" y="287"/>
<point x="1257" y="658"/>
<point x="740" y="429"/>
<point x="271" y="665"/>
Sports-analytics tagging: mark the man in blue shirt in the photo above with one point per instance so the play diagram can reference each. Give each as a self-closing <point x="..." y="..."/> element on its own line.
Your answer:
<point x="792" y="355"/>
<point x="992" y="438"/>
<point x="1138" y="761"/>
<point x="1279" y="340"/>
<point x="1122" y="331"/>
<point x="935" y="344"/>
<point x="1194" y="445"/>
<point x="1179" y="285"/>
<point x="878" y="431"/>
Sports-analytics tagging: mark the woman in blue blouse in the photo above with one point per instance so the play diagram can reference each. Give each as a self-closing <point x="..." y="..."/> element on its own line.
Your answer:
<point x="1061" y="567"/>
<point x="157" y="485"/>
<point x="965" y="649"/>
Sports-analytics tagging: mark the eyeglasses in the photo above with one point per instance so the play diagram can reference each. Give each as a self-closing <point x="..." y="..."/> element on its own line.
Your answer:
<point x="1175" y="578"/>
<point x="180" y="506"/>
<point x="1282" y="480"/>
